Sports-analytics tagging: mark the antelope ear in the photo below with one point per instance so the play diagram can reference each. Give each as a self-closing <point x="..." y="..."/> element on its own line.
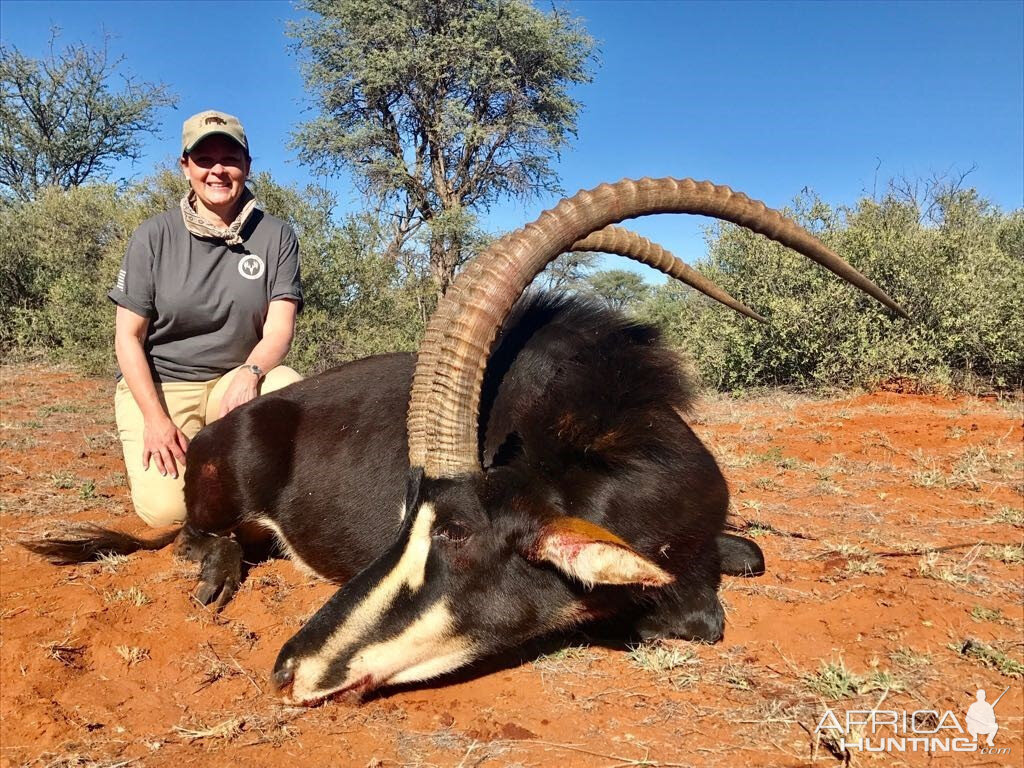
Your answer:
<point x="594" y="555"/>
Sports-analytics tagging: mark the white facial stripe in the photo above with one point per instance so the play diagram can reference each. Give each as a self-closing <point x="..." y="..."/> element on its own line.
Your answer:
<point x="426" y="648"/>
<point x="410" y="571"/>
<point x="412" y="567"/>
<point x="432" y="668"/>
<point x="270" y="525"/>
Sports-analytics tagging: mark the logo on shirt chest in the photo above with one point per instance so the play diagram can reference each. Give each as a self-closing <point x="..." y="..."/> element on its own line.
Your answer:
<point x="251" y="267"/>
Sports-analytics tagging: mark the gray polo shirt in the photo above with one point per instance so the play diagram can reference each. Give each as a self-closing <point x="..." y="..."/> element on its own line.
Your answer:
<point x="206" y="301"/>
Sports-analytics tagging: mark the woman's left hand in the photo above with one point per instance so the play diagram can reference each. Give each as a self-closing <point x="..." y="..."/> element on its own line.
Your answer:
<point x="242" y="389"/>
<point x="277" y="338"/>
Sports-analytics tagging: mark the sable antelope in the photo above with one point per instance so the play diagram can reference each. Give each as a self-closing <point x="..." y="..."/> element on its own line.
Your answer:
<point x="526" y="471"/>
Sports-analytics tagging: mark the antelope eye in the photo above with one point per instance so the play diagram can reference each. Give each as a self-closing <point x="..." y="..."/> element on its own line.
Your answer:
<point x="452" y="531"/>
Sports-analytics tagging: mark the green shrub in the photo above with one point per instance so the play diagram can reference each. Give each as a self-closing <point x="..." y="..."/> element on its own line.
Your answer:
<point x="959" y="273"/>
<point x="954" y="262"/>
<point x="359" y="301"/>
<point x="60" y="253"/>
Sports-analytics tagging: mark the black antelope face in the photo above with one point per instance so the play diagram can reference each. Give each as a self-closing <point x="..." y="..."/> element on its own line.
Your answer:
<point x="458" y="584"/>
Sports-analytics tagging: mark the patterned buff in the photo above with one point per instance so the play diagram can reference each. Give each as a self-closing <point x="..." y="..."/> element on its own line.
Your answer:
<point x="200" y="227"/>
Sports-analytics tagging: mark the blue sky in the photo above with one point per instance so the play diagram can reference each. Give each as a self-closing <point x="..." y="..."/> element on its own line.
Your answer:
<point x="768" y="97"/>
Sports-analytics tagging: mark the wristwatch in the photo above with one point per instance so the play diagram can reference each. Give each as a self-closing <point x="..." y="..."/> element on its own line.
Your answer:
<point x="255" y="370"/>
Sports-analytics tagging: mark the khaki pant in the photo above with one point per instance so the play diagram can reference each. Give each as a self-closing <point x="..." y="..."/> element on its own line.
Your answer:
<point x="191" y="405"/>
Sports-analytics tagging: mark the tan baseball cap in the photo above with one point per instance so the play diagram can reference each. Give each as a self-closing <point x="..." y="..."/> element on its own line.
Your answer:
<point x="208" y="123"/>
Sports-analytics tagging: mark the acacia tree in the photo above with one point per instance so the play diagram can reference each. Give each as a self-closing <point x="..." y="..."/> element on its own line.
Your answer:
<point x="62" y="122"/>
<point x="618" y="288"/>
<point x="569" y="271"/>
<point x="437" y="108"/>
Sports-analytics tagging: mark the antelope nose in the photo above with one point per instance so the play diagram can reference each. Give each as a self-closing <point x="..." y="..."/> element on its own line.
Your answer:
<point x="282" y="679"/>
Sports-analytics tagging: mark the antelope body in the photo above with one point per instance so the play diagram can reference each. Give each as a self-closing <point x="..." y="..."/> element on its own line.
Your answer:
<point x="493" y="487"/>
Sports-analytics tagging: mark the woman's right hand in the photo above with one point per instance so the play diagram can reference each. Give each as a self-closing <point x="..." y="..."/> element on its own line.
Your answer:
<point x="165" y="444"/>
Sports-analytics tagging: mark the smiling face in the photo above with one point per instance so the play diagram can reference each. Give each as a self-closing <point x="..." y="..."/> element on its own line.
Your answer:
<point x="217" y="168"/>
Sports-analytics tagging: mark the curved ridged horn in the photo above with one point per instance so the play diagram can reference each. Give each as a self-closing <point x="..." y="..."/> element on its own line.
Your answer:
<point x="624" y="242"/>
<point x="614" y="240"/>
<point x="445" y="398"/>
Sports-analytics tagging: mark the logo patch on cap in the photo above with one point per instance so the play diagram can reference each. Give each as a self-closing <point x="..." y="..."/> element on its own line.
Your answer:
<point x="203" y="124"/>
<point x="251" y="267"/>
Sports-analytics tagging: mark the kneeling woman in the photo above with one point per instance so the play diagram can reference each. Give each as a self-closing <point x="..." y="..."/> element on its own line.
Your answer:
<point x="206" y="304"/>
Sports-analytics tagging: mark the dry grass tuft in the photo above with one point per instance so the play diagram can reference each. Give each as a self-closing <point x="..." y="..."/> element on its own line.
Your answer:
<point x="736" y="676"/>
<point x="930" y="567"/>
<point x="929" y="476"/>
<point x="1011" y="554"/>
<point x="674" y="665"/>
<point x="132" y="654"/>
<point x="994" y="615"/>
<point x="132" y="596"/>
<point x="215" y="668"/>
<point x="834" y="681"/>
<point x="729" y="458"/>
<point x="63" y="480"/>
<point x="844" y="549"/>
<point x="112" y="563"/>
<point x="228" y="730"/>
<point x="565" y="660"/>
<point x="75" y="760"/>
<point x="980" y="465"/>
<point x="756" y="529"/>
<point x="990" y="657"/>
<point x="867" y="566"/>
<point x="65" y="652"/>
<point x="975" y="468"/>
<point x="908" y="658"/>
<point x="1010" y="515"/>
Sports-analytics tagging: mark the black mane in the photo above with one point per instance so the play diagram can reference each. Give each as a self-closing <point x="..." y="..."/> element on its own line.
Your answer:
<point x="567" y="374"/>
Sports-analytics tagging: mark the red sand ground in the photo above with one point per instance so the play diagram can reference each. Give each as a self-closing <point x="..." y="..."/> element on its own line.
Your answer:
<point x="892" y="525"/>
